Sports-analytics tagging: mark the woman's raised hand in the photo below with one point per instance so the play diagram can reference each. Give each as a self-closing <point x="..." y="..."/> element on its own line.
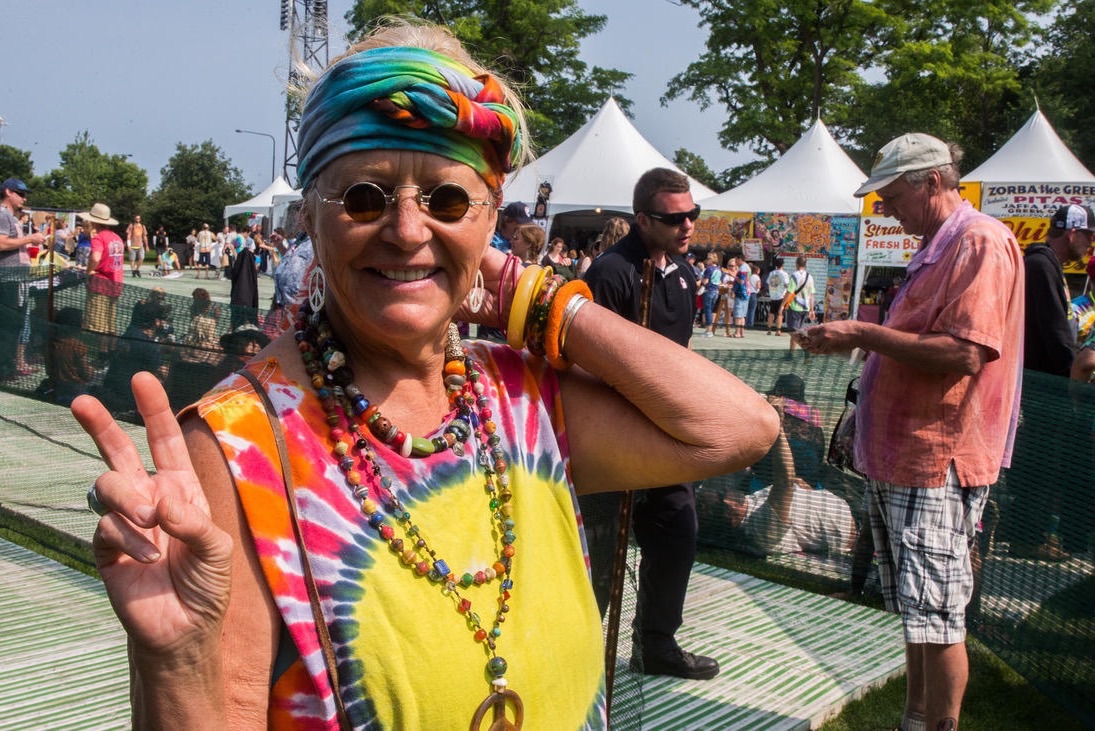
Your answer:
<point x="165" y="563"/>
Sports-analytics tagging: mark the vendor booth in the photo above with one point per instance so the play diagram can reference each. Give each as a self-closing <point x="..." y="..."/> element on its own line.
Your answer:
<point x="1027" y="179"/>
<point x="589" y="177"/>
<point x="802" y="204"/>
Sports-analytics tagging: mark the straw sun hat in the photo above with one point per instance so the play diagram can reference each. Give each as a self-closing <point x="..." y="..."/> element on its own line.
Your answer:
<point x="99" y="213"/>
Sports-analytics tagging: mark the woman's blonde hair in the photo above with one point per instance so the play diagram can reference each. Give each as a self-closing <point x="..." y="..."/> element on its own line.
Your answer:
<point x="614" y="229"/>
<point x="533" y="236"/>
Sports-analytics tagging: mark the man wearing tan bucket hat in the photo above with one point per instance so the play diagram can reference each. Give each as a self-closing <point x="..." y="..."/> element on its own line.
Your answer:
<point x="104" y="271"/>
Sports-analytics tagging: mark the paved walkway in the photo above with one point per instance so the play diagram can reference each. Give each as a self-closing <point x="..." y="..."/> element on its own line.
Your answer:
<point x="63" y="658"/>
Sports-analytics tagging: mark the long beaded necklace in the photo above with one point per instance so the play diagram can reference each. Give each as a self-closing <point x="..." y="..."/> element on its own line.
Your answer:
<point x="333" y="381"/>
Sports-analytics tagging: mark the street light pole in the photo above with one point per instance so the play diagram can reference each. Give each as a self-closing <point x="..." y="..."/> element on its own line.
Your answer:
<point x="273" y="147"/>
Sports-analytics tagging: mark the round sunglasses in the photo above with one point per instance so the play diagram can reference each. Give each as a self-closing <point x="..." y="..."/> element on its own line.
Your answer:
<point x="366" y="202"/>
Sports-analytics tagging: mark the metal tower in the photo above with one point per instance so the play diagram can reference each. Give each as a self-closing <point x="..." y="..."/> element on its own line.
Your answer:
<point x="306" y="21"/>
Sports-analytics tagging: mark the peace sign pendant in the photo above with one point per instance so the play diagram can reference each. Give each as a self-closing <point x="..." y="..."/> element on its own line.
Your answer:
<point x="498" y="701"/>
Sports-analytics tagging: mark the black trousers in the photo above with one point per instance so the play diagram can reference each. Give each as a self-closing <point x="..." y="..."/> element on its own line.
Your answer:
<point x="665" y="526"/>
<point x="11" y="322"/>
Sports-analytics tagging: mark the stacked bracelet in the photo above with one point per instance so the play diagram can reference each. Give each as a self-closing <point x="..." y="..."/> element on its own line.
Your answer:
<point x="542" y="310"/>
<point x="527" y="286"/>
<point x="538" y="313"/>
<point x="564" y="306"/>
<point x="508" y="269"/>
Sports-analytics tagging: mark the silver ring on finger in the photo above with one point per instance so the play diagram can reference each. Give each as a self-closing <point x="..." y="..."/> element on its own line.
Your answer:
<point x="93" y="502"/>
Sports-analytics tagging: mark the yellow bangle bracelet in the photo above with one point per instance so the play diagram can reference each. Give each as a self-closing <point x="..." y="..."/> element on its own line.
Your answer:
<point x="527" y="285"/>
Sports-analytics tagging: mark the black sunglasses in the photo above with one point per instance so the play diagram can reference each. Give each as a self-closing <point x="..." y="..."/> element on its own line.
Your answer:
<point x="675" y="219"/>
<point x="366" y="202"/>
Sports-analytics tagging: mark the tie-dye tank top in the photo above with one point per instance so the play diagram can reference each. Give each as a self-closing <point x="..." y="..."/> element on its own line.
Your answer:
<point x="407" y="659"/>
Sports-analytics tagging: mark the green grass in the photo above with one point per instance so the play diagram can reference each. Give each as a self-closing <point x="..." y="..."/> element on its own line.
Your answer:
<point x="47" y="541"/>
<point x="997" y="697"/>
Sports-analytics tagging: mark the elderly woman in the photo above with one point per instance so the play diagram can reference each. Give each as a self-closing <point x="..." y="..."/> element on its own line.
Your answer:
<point x="375" y="527"/>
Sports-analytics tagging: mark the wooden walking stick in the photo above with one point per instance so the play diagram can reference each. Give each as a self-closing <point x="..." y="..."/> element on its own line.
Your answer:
<point x="619" y="565"/>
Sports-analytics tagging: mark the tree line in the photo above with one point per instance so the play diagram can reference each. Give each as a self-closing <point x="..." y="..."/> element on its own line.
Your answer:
<point x="969" y="71"/>
<point x="195" y="184"/>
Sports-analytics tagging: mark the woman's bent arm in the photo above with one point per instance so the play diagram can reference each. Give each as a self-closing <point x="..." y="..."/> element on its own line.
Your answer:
<point x="641" y="410"/>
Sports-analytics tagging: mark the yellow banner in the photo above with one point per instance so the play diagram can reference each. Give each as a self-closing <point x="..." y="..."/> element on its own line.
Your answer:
<point x="721" y="230"/>
<point x="882" y="241"/>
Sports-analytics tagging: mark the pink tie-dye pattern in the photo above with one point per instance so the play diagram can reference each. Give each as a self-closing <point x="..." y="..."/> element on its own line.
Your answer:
<point x="305" y="699"/>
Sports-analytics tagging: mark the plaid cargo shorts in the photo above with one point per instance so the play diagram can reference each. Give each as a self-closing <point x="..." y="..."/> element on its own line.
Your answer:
<point x="922" y="540"/>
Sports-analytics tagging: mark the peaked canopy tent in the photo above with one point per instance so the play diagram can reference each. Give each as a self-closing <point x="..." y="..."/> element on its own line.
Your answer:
<point x="814" y="176"/>
<point x="273" y="200"/>
<point x="1028" y="178"/>
<point x="1034" y="154"/>
<point x="800" y="204"/>
<point x="592" y="173"/>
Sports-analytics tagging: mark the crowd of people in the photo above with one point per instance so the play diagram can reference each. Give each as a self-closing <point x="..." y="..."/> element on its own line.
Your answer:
<point x="292" y="585"/>
<point x="208" y="254"/>
<point x="115" y="340"/>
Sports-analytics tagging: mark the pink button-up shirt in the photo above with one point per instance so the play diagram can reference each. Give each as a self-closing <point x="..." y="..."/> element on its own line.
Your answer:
<point x="967" y="281"/>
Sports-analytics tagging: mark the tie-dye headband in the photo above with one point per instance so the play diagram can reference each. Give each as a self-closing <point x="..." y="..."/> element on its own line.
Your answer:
<point x="401" y="98"/>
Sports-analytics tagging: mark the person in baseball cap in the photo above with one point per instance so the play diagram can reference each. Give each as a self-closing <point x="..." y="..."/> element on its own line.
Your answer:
<point x="1073" y="218"/>
<point x="908" y="153"/>
<point x="13" y="256"/>
<point x="518" y="212"/>
<point x="15" y="185"/>
<point x="511" y="218"/>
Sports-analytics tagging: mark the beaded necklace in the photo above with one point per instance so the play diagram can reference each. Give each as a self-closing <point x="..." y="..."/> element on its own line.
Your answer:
<point x="333" y="381"/>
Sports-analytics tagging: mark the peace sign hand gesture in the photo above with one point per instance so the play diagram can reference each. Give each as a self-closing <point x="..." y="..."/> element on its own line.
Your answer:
<point x="165" y="563"/>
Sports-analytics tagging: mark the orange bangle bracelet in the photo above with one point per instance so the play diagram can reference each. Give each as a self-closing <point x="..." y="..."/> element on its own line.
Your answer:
<point x="527" y="286"/>
<point x="553" y="332"/>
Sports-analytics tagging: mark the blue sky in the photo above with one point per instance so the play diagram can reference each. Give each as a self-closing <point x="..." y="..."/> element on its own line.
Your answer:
<point x="142" y="76"/>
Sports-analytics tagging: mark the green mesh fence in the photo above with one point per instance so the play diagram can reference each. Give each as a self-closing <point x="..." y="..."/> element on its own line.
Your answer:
<point x="1035" y="589"/>
<point x="72" y="344"/>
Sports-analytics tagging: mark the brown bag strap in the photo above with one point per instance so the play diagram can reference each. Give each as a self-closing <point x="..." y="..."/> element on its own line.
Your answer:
<point x="309" y="581"/>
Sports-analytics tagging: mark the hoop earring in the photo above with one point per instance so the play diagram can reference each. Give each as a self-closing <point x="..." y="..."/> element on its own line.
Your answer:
<point x="317" y="288"/>
<point x="478" y="293"/>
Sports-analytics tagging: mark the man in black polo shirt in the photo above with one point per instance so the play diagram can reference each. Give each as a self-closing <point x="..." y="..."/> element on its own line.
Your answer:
<point x="664" y="518"/>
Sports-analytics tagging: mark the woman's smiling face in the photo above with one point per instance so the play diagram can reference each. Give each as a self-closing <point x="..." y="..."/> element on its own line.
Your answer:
<point x="407" y="272"/>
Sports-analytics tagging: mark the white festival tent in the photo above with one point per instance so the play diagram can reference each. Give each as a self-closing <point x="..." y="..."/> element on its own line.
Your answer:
<point x="276" y="196"/>
<point x="814" y="176"/>
<point x="1021" y="178"/>
<point x="1034" y="154"/>
<point x="594" y="168"/>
